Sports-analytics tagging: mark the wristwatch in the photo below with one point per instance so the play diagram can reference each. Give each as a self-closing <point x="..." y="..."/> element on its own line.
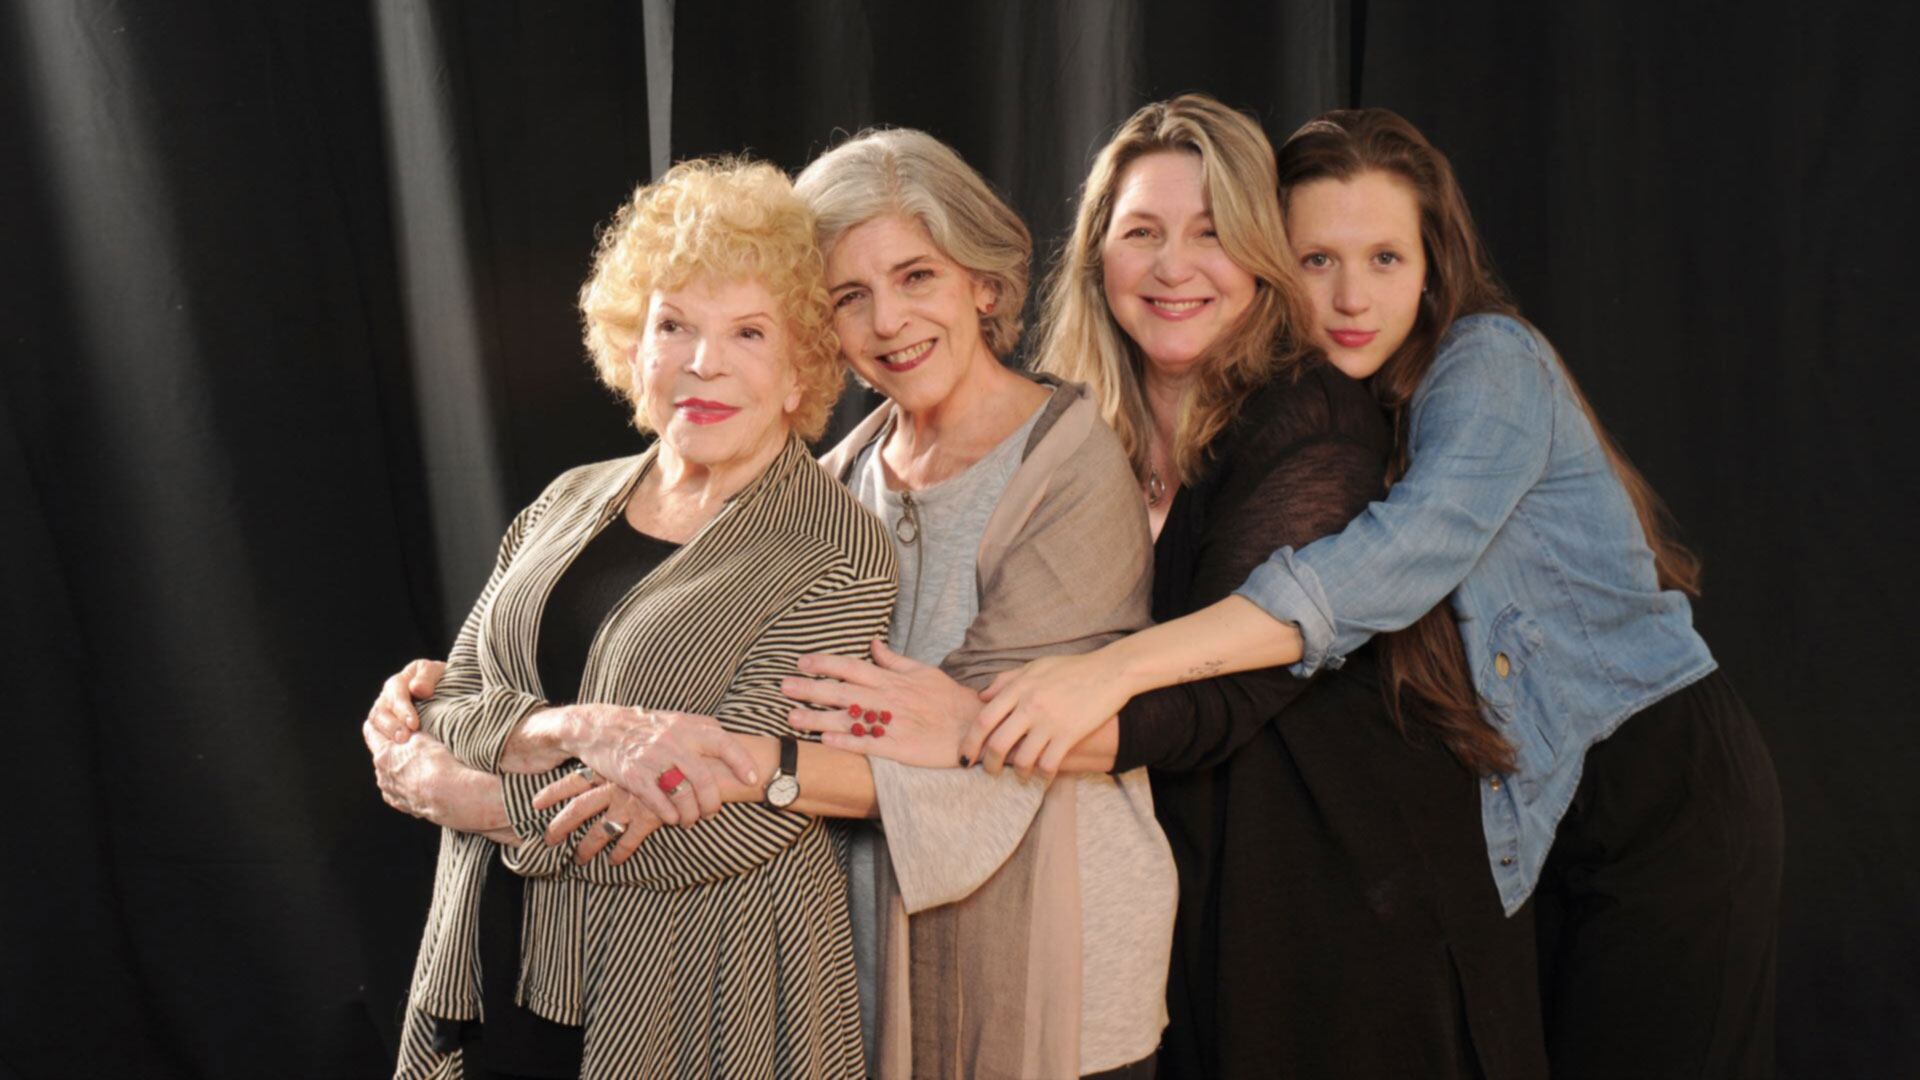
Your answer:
<point x="784" y="787"/>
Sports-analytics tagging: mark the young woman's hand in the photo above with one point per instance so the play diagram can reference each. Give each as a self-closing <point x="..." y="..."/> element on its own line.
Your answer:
<point x="909" y="712"/>
<point x="393" y="712"/>
<point x="1036" y="714"/>
<point x="622" y="820"/>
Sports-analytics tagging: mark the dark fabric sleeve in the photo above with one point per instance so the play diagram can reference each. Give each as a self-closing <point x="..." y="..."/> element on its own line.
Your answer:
<point x="1306" y="459"/>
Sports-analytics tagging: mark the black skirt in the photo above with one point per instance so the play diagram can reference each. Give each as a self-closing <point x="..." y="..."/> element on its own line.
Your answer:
<point x="1337" y="914"/>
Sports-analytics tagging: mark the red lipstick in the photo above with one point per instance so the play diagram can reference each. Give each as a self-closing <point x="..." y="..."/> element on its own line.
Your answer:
<point x="700" y="411"/>
<point x="1352" y="339"/>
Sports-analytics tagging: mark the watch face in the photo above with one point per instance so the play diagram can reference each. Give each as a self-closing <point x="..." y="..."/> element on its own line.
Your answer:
<point x="783" y="790"/>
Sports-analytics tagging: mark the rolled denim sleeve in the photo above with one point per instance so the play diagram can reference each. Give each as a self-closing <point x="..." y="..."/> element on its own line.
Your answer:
<point x="1288" y="589"/>
<point x="1480" y="432"/>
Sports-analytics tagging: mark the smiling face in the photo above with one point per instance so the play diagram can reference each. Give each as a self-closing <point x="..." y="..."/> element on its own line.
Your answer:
<point x="907" y="315"/>
<point x="1357" y="243"/>
<point x="715" y="367"/>
<point x="1168" y="281"/>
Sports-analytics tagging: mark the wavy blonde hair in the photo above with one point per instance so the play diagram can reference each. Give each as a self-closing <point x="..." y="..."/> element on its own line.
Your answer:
<point x="1080" y="339"/>
<point x="725" y="218"/>
<point x="909" y="172"/>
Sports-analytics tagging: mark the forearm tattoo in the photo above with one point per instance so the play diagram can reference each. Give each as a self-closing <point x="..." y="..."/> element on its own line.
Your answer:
<point x="1205" y="670"/>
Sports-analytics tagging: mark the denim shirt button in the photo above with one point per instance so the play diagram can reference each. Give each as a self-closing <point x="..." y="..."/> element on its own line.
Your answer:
<point x="1506" y="860"/>
<point x="1502" y="666"/>
<point x="1494" y="783"/>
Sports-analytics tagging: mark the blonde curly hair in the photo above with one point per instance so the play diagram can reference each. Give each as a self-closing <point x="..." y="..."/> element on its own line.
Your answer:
<point x="729" y="219"/>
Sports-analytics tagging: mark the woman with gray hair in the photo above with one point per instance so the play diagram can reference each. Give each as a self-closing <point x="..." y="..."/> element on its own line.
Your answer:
<point x="1035" y="919"/>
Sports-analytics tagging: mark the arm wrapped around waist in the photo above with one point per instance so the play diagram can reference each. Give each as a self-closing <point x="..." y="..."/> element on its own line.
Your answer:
<point x="840" y="615"/>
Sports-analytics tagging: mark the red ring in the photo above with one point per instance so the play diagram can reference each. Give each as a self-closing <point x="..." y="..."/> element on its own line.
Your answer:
<point x="671" y="780"/>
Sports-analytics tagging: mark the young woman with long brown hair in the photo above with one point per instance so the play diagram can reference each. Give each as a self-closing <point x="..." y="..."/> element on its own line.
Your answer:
<point x="1652" y="849"/>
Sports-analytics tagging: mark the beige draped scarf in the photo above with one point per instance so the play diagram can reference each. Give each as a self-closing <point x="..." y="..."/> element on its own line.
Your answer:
<point x="990" y="986"/>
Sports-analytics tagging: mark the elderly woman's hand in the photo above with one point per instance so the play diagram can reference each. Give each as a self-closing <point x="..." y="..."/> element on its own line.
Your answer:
<point x="636" y="748"/>
<point x="624" y="821"/>
<point x="393" y="712"/>
<point x="422" y="777"/>
<point x="909" y="712"/>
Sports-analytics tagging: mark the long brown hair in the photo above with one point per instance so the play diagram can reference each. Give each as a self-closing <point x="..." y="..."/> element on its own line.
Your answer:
<point x="1081" y="341"/>
<point x="1425" y="664"/>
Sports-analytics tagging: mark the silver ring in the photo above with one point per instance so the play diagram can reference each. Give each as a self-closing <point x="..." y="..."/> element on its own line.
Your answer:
<point x="613" y="828"/>
<point x="585" y="772"/>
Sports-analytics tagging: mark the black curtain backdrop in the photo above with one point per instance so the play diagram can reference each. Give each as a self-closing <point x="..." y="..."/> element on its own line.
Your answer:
<point x="288" y="335"/>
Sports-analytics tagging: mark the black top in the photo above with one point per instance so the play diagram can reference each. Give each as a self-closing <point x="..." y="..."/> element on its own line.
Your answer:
<point x="513" y="1039"/>
<point x="1304" y="456"/>
<point x="608" y="568"/>
<point x="1336" y="917"/>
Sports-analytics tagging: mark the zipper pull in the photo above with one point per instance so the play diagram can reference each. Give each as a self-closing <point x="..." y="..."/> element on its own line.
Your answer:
<point x="908" y="527"/>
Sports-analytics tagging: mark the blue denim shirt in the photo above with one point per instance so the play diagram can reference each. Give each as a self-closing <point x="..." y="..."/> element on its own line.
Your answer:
<point x="1510" y="511"/>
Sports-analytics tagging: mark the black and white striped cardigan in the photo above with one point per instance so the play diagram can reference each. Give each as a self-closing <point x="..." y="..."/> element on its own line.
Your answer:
<point x="723" y="949"/>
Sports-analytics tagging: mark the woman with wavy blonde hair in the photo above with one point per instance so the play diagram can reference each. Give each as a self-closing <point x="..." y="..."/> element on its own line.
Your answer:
<point x="1083" y="342"/>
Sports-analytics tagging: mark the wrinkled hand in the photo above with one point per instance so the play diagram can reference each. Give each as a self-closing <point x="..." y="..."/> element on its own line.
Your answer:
<point x="594" y="802"/>
<point x="422" y="777"/>
<point x="929" y="710"/>
<point x="393" y="712"/>
<point x="632" y="748"/>
<point x="1035" y="715"/>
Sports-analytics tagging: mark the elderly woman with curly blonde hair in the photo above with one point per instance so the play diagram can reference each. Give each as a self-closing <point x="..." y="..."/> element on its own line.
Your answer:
<point x="688" y="577"/>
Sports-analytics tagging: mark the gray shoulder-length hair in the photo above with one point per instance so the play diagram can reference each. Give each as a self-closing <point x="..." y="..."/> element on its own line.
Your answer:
<point x="904" y="171"/>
